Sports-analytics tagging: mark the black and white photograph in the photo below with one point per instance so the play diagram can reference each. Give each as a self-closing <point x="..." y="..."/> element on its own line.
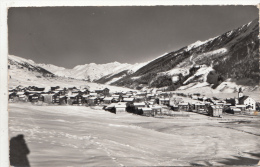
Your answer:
<point x="133" y="86"/>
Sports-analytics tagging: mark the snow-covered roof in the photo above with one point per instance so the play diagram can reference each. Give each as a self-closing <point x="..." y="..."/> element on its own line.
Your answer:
<point x="128" y="99"/>
<point x="139" y="104"/>
<point x="146" y="109"/>
<point x="120" y="105"/>
<point x="240" y="105"/>
<point x="156" y="107"/>
<point x="73" y="95"/>
<point x="184" y="104"/>
<point x="108" y="98"/>
<point x="111" y="105"/>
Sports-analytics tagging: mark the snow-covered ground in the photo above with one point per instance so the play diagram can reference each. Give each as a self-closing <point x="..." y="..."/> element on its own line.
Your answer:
<point x="82" y="136"/>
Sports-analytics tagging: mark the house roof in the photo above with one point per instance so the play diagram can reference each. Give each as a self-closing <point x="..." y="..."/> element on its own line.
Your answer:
<point x="128" y="99"/>
<point x="242" y="99"/>
<point x="108" y="98"/>
<point x="146" y="109"/>
<point x="139" y="104"/>
<point x="120" y="105"/>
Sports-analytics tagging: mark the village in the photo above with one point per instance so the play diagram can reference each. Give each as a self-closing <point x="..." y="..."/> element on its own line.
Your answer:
<point x="146" y="103"/>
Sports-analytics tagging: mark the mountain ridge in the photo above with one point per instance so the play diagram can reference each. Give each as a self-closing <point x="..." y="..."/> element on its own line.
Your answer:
<point x="203" y="64"/>
<point x="227" y="55"/>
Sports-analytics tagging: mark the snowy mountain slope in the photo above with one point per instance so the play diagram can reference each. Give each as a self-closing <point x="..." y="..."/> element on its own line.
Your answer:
<point x="94" y="71"/>
<point x="52" y="68"/>
<point x="118" y="74"/>
<point x="88" y="72"/>
<point x="16" y="63"/>
<point x="28" y="73"/>
<point x="232" y="55"/>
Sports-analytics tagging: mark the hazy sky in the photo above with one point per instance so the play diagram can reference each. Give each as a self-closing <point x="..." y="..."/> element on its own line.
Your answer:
<point x="70" y="36"/>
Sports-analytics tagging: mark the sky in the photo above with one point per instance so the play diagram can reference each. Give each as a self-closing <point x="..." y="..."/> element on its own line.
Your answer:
<point x="70" y="36"/>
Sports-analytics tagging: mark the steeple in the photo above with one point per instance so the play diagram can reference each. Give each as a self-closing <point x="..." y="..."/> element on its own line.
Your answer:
<point x="240" y="93"/>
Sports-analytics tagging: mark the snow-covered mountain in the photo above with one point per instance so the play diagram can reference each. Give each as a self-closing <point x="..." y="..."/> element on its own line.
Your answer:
<point x="92" y="71"/>
<point x="28" y="73"/>
<point x="232" y="57"/>
<point x="17" y="64"/>
<point x="223" y="63"/>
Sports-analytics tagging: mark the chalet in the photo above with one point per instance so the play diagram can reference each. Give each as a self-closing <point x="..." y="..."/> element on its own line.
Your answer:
<point x="85" y="98"/>
<point x="61" y="91"/>
<point x="116" y="97"/>
<point x="150" y="96"/>
<point x="102" y="91"/>
<point x="120" y="107"/>
<point x="129" y="100"/>
<point x="92" y="101"/>
<point x="75" y="99"/>
<point x="141" y="94"/>
<point x="183" y="106"/>
<point x="41" y="98"/>
<point x="215" y="110"/>
<point x="100" y="100"/>
<point x="22" y="96"/>
<point x="200" y="107"/>
<point x="33" y="97"/>
<point x="111" y="108"/>
<point x="137" y="108"/>
<point x="92" y="94"/>
<point x="108" y="100"/>
<point x="48" y="98"/>
<point x="140" y="99"/>
<point x="139" y="105"/>
<point x="164" y="101"/>
<point x="56" y="98"/>
<point x="147" y="111"/>
<point x="156" y="109"/>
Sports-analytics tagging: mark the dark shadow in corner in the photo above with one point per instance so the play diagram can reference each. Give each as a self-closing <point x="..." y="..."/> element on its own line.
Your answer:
<point x="19" y="152"/>
<point x="243" y="160"/>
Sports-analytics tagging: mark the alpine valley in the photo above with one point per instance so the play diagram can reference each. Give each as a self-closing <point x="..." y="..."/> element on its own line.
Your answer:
<point x="220" y="64"/>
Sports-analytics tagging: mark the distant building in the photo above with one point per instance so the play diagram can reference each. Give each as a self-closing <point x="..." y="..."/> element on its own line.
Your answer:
<point x="246" y="100"/>
<point x="102" y="91"/>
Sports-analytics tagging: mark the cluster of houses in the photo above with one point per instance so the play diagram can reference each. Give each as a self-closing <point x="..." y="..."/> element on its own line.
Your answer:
<point x="142" y="103"/>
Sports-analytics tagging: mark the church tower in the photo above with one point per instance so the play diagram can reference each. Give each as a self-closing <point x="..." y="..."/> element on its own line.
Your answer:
<point x="240" y="93"/>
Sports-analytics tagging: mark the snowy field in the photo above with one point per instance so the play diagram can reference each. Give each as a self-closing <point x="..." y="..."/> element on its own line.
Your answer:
<point x="83" y="136"/>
